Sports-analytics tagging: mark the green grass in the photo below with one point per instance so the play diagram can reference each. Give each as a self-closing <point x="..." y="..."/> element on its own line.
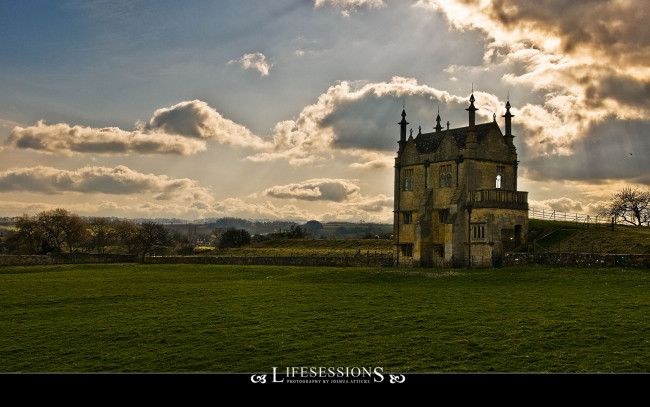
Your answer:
<point x="202" y="318"/>
<point x="308" y="247"/>
<point x="580" y="238"/>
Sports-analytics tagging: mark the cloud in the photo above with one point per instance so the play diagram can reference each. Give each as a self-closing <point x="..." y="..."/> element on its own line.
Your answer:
<point x="343" y="198"/>
<point x="356" y="119"/>
<point x="196" y="119"/>
<point x="119" y="180"/>
<point x="564" y="207"/>
<point x="609" y="150"/>
<point x="348" y="6"/>
<point x="256" y="61"/>
<point x="181" y="129"/>
<point x="323" y="189"/>
<point x="369" y="209"/>
<point x="236" y="207"/>
<point x="64" y="139"/>
<point x="588" y="60"/>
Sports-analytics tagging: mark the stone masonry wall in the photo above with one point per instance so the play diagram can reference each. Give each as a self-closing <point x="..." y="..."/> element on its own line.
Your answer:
<point x="577" y="259"/>
<point x="358" y="261"/>
<point x="64" y="258"/>
<point x="79" y="258"/>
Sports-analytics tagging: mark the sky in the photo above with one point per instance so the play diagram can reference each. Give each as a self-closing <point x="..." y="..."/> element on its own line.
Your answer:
<point x="288" y="109"/>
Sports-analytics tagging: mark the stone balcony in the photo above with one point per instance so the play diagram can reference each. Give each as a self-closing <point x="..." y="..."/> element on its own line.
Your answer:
<point x="498" y="198"/>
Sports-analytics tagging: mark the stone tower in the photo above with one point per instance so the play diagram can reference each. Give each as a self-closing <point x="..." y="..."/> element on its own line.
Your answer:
<point x="456" y="198"/>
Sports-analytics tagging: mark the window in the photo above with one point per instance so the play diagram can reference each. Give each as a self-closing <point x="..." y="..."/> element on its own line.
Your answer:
<point x="407" y="250"/>
<point x="478" y="232"/>
<point x="500" y="170"/>
<point x="408" y="218"/>
<point x="408" y="180"/>
<point x="445" y="176"/>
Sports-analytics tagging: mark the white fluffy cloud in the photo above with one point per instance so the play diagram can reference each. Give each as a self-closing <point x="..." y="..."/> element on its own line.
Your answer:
<point x="348" y="6"/>
<point x="119" y="180"/>
<point x="323" y="189"/>
<point x="256" y="61"/>
<point x="355" y="119"/>
<point x="61" y="138"/>
<point x="181" y="129"/>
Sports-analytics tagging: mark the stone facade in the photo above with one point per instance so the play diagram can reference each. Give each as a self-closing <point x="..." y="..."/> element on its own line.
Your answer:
<point x="456" y="197"/>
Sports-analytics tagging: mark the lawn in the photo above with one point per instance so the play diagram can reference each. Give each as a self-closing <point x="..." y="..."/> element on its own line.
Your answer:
<point x="204" y="318"/>
<point x="308" y="247"/>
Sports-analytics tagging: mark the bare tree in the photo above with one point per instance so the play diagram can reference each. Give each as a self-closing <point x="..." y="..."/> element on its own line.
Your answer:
<point x="60" y="228"/>
<point x="631" y="206"/>
<point x="152" y="236"/>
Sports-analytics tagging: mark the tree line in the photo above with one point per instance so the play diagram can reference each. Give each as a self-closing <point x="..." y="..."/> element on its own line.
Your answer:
<point x="60" y="231"/>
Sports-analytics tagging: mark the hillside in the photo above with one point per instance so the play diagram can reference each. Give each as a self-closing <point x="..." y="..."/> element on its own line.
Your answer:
<point x="581" y="238"/>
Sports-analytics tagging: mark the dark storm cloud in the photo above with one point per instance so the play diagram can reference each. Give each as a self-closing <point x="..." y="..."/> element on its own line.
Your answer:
<point x="611" y="150"/>
<point x="618" y="29"/>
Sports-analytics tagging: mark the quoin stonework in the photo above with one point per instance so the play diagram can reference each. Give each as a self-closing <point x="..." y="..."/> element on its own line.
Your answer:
<point x="456" y="197"/>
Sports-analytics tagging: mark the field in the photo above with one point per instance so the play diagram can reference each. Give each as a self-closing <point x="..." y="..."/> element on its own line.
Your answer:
<point x="191" y="318"/>
<point x="309" y="247"/>
<point x="581" y="238"/>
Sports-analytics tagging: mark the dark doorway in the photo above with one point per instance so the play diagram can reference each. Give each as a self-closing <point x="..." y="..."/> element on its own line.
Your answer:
<point x="517" y="235"/>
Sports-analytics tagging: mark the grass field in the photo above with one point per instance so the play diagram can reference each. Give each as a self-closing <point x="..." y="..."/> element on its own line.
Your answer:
<point x="308" y="247"/>
<point x="581" y="238"/>
<point x="193" y="318"/>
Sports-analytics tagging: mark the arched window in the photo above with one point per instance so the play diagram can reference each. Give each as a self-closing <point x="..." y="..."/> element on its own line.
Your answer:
<point x="442" y="181"/>
<point x="448" y="180"/>
<point x="498" y="181"/>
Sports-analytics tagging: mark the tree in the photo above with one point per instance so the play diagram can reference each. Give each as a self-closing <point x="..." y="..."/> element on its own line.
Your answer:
<point x="232" y="237"/>
<point x="151" y="236"/>
<point x="102" y="233"/>
<point x="75" y="232"/>
<point x="126" y="233"/>
<point x="60" y="228"/>
<point x="312" y="227"/>
<point x="630" y="206"/>
<point x="28" y="237"/>
<point x="295" y="232"/>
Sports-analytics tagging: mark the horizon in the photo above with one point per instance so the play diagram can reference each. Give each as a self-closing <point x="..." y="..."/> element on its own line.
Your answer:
<point x="288" y="110"/>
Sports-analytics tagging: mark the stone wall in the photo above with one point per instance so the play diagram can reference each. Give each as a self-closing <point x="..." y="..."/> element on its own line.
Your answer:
<point x="577" y="259"/>
<point x="25" y="260"/>
<point x="357" y="261"/>
<point x="64" y="258"/>
<point x="80" y="258"/>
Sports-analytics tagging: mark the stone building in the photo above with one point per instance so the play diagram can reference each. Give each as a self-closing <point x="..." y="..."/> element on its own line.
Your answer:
<point x="456" y="198"/>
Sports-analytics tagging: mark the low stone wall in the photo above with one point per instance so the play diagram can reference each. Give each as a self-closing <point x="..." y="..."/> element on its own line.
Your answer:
<point x="25" y="260"/>
<point x="358" y="261"/>
<point x="85" y="258"/>
<point x="82" y="258"/>
<point x="578" y="259"/>
<point x="64" y="258"/>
